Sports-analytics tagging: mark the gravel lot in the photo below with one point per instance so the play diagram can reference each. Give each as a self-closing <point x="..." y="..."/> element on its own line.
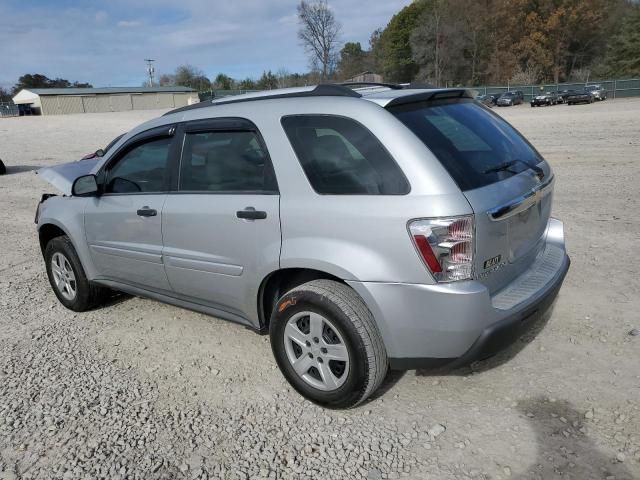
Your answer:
<point x="138" y="389"/>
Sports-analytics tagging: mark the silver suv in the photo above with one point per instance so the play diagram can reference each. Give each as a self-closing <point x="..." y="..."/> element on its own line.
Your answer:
<point x="362" y="228"/>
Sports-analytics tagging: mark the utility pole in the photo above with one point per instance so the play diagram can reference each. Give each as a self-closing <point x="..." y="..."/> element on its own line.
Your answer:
<point x="150" y="70"/>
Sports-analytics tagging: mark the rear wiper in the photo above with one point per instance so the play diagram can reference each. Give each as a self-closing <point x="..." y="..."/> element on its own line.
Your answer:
<point x="505" y="167"/>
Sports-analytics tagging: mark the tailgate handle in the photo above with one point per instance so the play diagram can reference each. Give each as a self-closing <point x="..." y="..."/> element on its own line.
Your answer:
<point x="522" y="203"/>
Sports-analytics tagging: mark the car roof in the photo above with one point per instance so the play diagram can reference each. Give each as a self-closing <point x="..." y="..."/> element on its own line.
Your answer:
<point x="382" y="94"/>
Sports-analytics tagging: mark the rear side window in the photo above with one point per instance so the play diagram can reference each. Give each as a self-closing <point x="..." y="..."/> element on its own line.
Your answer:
<point x="476" y="146"/>
<point x="341" y="157"/>
<point x="225" y="161"/>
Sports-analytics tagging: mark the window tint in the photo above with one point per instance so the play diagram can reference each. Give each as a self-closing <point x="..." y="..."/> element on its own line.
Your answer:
<point x="468" y="140"/>
<point x="220" y="161"/>
<point x="341" y="157"/>
<point x="142" y="169"/>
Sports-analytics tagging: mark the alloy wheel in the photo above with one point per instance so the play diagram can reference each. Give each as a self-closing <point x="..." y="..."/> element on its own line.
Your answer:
<point x="316" y="351"/>
<point x="63" y="276"/>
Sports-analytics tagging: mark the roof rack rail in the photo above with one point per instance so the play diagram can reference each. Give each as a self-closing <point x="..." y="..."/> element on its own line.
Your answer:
<point x="322" y="90"/>
<point x="419" y="86"/>
<point x="392" y="86"/>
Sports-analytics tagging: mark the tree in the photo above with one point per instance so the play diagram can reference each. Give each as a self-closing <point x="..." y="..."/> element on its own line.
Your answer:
<point x="37" y="80"/>
<point x="190" y="76"/>
<point x="393" y="48"/>
<point x="223" y="82"/>
<point x="247" y="84"/>
<point x="353" y="60"/>
<point x="436" y="44"/>
<point x="624" y="49"/>
<point x="319" y="32"/>
<point x="166" y="80"/>
<point x="4" y="95"/>
<point x="268" y="81"/>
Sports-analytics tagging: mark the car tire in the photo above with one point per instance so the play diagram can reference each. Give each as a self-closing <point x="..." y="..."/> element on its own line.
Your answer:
<point x="67" y="277"/>
<point x="3" y="169"/>
<point x="321" y="319"/>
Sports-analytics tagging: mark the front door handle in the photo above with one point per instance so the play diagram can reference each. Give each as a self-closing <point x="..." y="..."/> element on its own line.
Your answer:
<point x="147" y="212"/>
<point x="251" y="213"/>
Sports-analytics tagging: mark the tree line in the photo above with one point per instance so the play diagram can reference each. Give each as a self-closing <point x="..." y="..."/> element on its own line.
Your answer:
<point x="462" y="42"/>
<point x="475" y="42"/>
<point x="38" y="80"/>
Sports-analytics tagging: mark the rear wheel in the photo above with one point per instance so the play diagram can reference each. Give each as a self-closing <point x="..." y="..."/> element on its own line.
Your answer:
<point x="3" y="169"/>
<point x="67" y="277"/>
<point x="327" y="344"/>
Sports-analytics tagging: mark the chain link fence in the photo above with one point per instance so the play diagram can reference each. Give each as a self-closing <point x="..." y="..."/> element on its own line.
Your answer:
<point x="9" y="110"/>
<point x="614" y="88"/>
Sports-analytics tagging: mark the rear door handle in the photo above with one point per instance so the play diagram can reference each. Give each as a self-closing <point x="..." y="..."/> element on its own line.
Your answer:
<point x="147" y="212"/>
<point x="251" y="213"/>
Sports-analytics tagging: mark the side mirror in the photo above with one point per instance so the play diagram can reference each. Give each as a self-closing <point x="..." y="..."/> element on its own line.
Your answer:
<point x="99" y="153"/>
<point x="85" y="186"/>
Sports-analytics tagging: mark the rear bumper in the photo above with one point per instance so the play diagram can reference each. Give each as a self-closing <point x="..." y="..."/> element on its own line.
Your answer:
<point x="427" y="326"/>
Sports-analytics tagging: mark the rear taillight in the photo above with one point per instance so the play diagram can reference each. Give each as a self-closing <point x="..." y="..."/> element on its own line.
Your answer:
<point x="446" y="246"/>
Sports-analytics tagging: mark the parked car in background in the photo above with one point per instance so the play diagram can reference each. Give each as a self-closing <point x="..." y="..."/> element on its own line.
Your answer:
<point x="597" y="92"/>
<point x="547" y="98"/>
<point x="559" y="97"/>
<point x="486" y="100"/>
<point x="575" y="97"/>
<point x="101" y="152"/>
<point x="508" y="99"/>
<point x="494" y="97"/>
<point x="362" y="229"/>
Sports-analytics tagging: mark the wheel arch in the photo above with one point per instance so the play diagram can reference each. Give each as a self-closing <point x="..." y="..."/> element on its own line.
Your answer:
<point x="49" y="231"/>
<point x="278" y="282"/>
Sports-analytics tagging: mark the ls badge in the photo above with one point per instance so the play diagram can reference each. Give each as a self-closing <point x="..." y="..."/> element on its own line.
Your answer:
<point x="492" y="262"/>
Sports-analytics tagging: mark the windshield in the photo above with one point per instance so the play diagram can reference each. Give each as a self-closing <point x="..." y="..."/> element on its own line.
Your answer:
<point x="470" y="141"/>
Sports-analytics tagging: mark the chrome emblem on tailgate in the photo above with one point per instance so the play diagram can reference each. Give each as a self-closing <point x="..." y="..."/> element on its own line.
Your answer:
<point x="492" y="262"/>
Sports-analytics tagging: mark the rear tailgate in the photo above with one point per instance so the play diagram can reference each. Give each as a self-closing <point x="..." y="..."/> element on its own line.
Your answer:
<point x="505" y="180"/>
<point x="511" y="220"/>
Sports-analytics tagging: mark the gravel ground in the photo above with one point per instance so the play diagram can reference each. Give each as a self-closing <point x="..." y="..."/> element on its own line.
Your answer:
<point x="138" y="389"/>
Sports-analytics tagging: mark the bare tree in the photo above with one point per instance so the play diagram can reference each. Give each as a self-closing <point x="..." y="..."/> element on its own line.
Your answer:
<point x="319" y="32"/>
<point x="436" y="44"/>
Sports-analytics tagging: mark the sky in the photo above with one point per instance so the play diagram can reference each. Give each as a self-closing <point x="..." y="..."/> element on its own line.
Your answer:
<point x="105" y="43"/>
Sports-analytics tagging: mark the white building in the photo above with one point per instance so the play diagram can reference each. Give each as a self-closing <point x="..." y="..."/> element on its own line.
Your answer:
<point x="61" y="101"/>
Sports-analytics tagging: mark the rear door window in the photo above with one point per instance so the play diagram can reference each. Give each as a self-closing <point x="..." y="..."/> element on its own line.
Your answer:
<point x="225" y="162"/>
<point x="341" y="157"/>
<point x="471" y="142"/>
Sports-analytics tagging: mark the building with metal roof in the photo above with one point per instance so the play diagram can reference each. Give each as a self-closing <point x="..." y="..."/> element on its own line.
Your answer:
<point x="61" y="101"/>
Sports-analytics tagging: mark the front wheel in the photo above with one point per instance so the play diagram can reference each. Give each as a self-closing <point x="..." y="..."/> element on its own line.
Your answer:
<point x="67" y="277"/>
<point x="327" y="344"/>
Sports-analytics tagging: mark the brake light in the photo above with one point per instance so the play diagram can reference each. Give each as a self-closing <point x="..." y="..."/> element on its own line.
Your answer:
<point x="445" y="246"/>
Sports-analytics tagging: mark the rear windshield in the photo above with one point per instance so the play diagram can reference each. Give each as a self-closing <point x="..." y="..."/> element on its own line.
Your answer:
<point x="470" y="141"/>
